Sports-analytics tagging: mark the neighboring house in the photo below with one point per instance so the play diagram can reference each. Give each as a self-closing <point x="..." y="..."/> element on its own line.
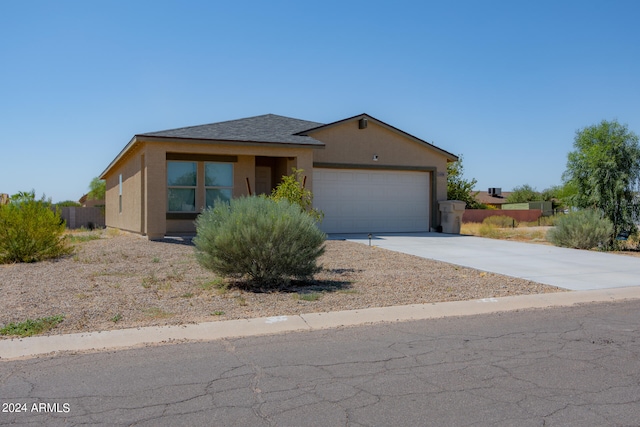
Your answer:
<point x="86" y="202"/>
<point x="494" y="198"/>
<point x="366" y="176"/>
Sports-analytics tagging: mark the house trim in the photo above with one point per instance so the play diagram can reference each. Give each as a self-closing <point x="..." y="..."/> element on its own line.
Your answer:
<point x="202" y="157"/>
<point x="376" y="167"/>
<point x="182" y="215"/>
<point x="228" y="141"/>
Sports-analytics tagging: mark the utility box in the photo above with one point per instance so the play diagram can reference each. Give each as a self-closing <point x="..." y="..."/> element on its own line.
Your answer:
<point x="451" y="214"/>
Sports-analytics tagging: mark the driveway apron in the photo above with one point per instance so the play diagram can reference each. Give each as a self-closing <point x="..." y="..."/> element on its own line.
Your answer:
<point x="566" y="268"/>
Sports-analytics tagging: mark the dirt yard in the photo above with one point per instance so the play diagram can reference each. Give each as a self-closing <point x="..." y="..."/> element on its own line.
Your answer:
<point x="117" y="280"/>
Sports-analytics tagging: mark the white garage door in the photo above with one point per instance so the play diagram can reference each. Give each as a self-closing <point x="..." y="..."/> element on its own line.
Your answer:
<point x="367" y="201"/>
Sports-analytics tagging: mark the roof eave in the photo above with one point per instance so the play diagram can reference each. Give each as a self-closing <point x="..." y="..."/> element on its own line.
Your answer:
<point x="120" y="155"/>
<point x="148" y="138"/>
<point x="155" y="138"/>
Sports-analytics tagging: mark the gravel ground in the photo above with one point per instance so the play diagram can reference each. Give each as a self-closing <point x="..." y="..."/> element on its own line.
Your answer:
<point x="123" y="281"/>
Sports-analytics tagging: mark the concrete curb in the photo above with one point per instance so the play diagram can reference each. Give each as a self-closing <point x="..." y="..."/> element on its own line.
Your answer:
<point x="126" y="338"/>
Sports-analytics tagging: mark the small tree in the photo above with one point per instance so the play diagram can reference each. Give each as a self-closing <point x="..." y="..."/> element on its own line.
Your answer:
<point x="458" y="188"/>
<point x="603" y="169"/>
<point x="97" y="189"/>
<point x="30" y="230"/>
<point x="291" y="188"/>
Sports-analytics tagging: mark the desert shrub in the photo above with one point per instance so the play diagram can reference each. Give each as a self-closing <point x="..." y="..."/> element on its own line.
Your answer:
<point x="258" y="238"/>
<point x="548" y="221"/>
<point x="584" y="229"/>
<point x="490" y="231"/>
<point x="500" y="221"/>
<point x="30" y="230"/>
<point x="543" y="221"/>
<point x="292" y="189"/>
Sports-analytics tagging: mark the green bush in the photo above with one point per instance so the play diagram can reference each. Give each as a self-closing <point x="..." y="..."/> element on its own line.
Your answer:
<point x="500" y="221"/>
<point x="264" y="240"/>
<point x="292" y="189"/>
<point x="584" y="229"/>
<point x="30" y="230"/>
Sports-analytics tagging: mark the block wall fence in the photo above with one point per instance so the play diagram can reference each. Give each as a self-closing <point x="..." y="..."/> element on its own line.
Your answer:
<point x="77" y="217"/>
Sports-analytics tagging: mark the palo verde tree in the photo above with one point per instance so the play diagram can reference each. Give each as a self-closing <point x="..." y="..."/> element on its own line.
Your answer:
<point x="459" y="188"/>
<point x="97" y="189"/>
<point x="603" y="169"/>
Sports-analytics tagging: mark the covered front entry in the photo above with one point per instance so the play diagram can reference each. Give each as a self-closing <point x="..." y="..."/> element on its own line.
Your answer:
<point x="364" y="201"/>
<point x="269" y="172"/>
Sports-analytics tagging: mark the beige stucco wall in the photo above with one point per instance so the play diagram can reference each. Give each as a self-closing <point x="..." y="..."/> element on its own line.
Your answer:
<point x="145" y="168"/>
<point x="129" y="218"/>
<point x="347" y="144"/>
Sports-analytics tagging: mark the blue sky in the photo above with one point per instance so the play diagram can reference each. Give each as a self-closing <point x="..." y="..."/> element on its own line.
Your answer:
<point x="504" y="83"/>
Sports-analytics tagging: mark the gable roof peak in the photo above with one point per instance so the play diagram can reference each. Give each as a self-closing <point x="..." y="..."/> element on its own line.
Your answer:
<point x="450" y="156"/>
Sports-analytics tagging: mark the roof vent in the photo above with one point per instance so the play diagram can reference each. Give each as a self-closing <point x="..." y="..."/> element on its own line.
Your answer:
<point x="362" y="123"/>
<point x="495" y="192"/>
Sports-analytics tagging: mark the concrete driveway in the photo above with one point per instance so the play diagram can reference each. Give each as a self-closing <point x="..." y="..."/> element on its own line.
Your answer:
<point x="566" y="268"/>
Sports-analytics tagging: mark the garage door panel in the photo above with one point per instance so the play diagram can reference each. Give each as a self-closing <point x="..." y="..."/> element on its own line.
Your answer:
<point x="372" y="201"/>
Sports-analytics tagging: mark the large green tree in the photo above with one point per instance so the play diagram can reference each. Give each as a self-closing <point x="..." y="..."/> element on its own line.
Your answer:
<point x="524" y="193"/>
<point x="603" y="169"/>
<point x="459" y="188"/>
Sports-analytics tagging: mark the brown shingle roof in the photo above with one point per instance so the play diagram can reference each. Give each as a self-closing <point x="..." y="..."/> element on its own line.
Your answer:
<point x="487" y="199"/>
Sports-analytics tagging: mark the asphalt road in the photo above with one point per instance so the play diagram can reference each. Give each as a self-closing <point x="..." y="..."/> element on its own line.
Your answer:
<point x="577" y="366"/>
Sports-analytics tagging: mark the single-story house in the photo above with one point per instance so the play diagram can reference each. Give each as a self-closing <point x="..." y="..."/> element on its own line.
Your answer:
<point x="87" y="202"/>
<point x="365" y="175"/>
<point x="492" y="198"/>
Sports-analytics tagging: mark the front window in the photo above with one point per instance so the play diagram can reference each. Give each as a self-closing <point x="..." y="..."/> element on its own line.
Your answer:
<point x="182" y="182"/>
<point x="218" y="181"/>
